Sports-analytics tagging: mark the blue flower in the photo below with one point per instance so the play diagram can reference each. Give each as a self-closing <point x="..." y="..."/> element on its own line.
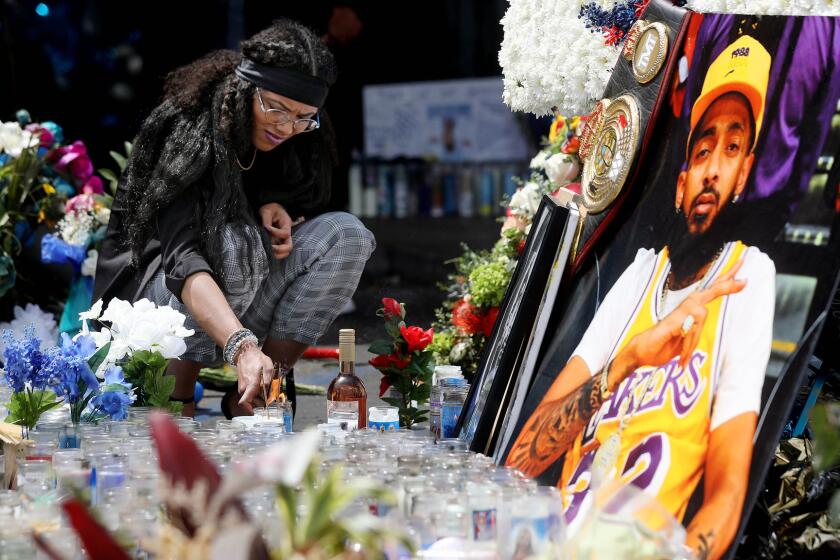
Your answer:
<point x="113" y="403"/>
<point x="23" y="117"/>
<point x="83" y="346"/>
<point x="64" y="188"/>
<point x="55" y="250"/>
<point x="24" y="361"/>
<point x="114" y="376"/>
<point x="4" y="159"/>
<point x="67" y="369"/>
<point x="57" y="132"/>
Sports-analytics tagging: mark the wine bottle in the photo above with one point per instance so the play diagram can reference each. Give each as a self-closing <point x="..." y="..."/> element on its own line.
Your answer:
<point x="346" y="393"/>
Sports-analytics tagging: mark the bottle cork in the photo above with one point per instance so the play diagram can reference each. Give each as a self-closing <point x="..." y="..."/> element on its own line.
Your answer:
<point x="347" y="345"/>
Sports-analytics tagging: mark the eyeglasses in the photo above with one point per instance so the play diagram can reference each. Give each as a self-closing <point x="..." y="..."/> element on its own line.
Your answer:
<point x="281" y="118"/>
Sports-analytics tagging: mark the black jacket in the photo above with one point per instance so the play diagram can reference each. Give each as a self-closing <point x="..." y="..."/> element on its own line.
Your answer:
<point x="175" y="245"/>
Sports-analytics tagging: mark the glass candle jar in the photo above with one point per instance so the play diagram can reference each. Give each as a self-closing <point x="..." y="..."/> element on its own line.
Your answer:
<point x="384" y="418"/>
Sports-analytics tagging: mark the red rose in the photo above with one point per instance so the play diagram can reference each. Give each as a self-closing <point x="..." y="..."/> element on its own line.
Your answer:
<point x="489" y="320"/>
<point x="386" y="361"/>
<point x="392" y="308"/>
<point x="466" y="317"/>
<point x="384" y="385"/>
<point x="380" y="362"/>
<point x="417" y="338"/>
<point x="399" y="363"/>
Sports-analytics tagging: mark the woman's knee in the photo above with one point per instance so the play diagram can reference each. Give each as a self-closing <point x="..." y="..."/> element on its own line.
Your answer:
<point x="350" y="234"/>
<point x="244" y="260"/>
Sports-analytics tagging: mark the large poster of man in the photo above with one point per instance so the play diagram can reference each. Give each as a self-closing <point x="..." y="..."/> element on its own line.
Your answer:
<point x="703" y="294"/>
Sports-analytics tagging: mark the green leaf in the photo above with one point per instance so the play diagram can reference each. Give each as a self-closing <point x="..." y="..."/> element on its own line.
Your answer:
<point x="26" y="407"/>
<point x="421" y="393"/>
<point x="392" y="401"/>
<point x="381" y="347"/>
<point x="115" y="387"/>
<point x="109" y="175"/>
<point x="824" y="423"/>
<point x="96" y="360"/>
<point x="393" y="329"/>
<point x="119" y="158"/>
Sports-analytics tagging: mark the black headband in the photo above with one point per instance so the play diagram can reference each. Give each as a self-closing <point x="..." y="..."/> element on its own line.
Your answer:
<point x="300" y="87"/>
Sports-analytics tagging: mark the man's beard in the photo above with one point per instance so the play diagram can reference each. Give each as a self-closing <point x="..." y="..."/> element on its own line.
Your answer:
<point x="690" y="253"/>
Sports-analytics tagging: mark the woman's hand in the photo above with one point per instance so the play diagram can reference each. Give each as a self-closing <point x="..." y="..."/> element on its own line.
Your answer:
<point x="254" y="370"/>
<point x="279" y="224"/>
<point x="660" y="343"/>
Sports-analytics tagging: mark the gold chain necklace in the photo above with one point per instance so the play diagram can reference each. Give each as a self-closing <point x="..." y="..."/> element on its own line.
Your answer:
<point x="660" y="314"/>
<point x="253" y="159"/>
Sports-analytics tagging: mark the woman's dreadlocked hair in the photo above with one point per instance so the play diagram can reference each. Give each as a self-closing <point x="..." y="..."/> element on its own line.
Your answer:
<point x="204" y="122"/>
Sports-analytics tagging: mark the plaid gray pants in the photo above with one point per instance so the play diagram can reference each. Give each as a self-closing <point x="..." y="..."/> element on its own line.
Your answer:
<point x="296" y="298"/>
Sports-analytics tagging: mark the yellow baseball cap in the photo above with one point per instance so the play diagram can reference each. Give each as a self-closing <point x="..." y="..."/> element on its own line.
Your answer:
<point x="744" y="67"/>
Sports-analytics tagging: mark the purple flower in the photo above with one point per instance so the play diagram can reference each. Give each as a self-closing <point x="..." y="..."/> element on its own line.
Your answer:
<point x="24" y="361"/>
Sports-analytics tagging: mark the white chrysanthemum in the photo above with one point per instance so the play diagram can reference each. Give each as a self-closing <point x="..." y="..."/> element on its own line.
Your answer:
<point x="768" y="7"/>
<point x="46" y="328"/>
<point x="549" y="58"/>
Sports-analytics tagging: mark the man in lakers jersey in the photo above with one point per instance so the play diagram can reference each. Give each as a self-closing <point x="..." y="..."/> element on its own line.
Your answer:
<point x="665" y="386"/>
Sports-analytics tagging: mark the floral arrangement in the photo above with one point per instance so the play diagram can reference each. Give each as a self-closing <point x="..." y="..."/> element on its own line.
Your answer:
<point x="550" y="59"/>
<point x="38" y="173"/>
<point x="405" y="363"/>
<point x="477" y="287"/>
<point x="80" y="232"/>
<point x="140" y="338"/>
<point x="560" y="55"/>
<point x="44" y="379"/>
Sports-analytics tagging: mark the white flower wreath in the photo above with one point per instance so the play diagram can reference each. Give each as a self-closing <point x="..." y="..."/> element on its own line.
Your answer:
<point x="550" y="59"/>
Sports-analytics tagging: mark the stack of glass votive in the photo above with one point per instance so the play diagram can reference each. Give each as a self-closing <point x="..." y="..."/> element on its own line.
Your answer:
<point x="452" y="502"/>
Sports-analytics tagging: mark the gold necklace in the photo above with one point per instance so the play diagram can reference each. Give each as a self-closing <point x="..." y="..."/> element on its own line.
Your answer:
<point x="253" y="159"/>
<point x="660" y="315"/>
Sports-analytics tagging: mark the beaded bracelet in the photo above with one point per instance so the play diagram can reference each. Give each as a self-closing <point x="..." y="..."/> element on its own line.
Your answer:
<point x="235" y="342"/>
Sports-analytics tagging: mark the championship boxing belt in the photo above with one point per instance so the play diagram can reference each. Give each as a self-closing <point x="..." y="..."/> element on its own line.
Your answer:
<point x="618" y="131"/>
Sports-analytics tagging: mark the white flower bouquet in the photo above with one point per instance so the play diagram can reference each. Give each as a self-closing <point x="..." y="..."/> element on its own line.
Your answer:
<point x="141" y="337"/>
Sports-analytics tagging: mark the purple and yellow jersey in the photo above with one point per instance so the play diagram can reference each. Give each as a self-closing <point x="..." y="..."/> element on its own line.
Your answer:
<point x="663" y="447"/>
